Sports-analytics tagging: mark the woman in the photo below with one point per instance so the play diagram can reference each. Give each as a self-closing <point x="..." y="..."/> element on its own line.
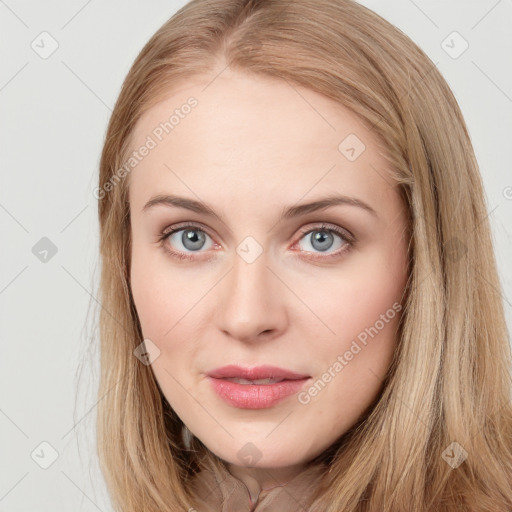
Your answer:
<point x="300" y="305"/>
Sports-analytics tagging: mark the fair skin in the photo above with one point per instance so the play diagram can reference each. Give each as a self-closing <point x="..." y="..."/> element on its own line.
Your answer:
<point x="252" y="147"/>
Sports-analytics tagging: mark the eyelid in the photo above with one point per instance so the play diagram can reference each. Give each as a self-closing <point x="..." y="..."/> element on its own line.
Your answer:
<point x="183" y="225"/>
<point x="326" y="226"/>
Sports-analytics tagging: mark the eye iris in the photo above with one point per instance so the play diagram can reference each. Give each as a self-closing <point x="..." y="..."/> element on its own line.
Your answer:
<point x="320" y="237"/>
<point x="193" y="239"/>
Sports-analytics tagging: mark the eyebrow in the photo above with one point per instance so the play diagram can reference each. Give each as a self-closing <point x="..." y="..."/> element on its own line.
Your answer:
<point x="288" y="213"/>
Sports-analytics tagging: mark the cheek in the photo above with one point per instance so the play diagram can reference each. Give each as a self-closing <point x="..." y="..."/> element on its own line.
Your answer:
<point x="162" y="303"/>
<point x="152" y="291"/>
<point x="168" y="301"/>
<point x="354" y="297"/>
<point x="363" y="309"/>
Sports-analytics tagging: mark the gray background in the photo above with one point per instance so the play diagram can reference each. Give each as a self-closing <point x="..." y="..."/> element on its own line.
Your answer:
<point x="54" y="113"/>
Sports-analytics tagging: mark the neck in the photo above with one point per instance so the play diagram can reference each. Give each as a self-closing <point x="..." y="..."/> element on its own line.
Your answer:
<point x="259" y="479"/>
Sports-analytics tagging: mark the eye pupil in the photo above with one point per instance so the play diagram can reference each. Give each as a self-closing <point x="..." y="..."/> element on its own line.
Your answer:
<point x="320" y="237"/>
<point x="193" y="239"/>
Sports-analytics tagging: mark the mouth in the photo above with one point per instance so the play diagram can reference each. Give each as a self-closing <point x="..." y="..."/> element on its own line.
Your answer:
<point x="256" y="381"/>
<point x="255" y="388"/>
<point x="259" y="373"/>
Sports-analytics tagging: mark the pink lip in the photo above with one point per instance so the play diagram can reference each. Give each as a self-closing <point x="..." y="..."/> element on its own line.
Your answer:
<point x="255" y="396"/>
<point x="258" y="372"/>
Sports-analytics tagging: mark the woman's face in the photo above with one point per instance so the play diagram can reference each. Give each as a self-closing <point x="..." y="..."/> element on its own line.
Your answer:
<point x="252" y="276"/>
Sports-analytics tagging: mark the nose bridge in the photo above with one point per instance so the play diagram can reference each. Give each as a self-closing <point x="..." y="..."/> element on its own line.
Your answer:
<point x="250" y="302"/>
<point x="249" y="286"/>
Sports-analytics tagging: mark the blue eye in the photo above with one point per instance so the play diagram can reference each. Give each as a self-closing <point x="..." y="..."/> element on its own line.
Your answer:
<point x="194" y="238"/>
<point x="323" y="239"/>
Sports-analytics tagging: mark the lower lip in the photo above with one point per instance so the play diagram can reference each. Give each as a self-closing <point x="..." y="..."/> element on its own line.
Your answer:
<point x="255" y="396"/>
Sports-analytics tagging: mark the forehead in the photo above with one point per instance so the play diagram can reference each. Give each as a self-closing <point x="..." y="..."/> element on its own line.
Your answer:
<point x="252" y="134"/>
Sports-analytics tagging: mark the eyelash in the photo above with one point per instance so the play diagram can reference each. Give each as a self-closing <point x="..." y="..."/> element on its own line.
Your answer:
<point x="347" y="237"/>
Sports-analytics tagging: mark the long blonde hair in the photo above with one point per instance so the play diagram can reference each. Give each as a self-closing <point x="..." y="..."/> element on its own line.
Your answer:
<point x="447" y="393"/>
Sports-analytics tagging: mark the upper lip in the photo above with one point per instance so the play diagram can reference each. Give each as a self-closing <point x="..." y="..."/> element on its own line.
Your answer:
<point x="254" y="373"/>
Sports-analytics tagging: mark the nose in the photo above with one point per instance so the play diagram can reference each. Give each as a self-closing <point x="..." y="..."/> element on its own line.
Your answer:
<point x="251" y="302"/>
